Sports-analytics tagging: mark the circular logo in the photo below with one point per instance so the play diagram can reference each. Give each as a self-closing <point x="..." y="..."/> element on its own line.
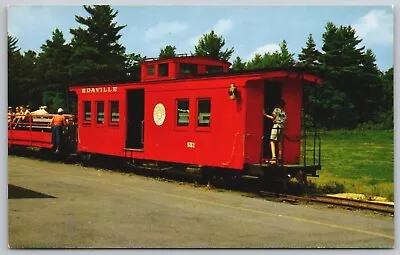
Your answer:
<point x="159" y="114"/>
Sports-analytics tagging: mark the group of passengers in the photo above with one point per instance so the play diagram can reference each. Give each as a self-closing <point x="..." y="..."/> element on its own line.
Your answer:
<point x="22" y="113"/>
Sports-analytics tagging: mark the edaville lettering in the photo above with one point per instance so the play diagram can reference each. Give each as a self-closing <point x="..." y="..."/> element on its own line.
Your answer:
<point x="100" y="90"/>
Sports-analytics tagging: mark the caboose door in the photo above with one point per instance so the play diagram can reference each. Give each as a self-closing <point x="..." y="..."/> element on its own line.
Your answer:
<point x="135" y="119"/>
<point x="272" y="94"/>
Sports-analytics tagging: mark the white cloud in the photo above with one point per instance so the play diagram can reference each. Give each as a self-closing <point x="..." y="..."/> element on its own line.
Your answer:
<point x="22" y="18"/>
<point x="271" y="47"/>
<point x="376" y="27"/>
<point x="222" y="27"/>
<point x="163" y="29"/>
<point x="194" y="40"/>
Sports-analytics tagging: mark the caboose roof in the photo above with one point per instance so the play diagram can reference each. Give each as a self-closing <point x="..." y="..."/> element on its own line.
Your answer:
<point x="305" y="73"/>
<point x="185" y="58"/>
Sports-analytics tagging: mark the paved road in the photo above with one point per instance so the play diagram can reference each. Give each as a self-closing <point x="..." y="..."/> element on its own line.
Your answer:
<point x="65" y="206"/>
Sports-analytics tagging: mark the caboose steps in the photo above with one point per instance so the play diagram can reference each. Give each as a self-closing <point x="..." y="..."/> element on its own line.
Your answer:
<point x="279" y="169"/>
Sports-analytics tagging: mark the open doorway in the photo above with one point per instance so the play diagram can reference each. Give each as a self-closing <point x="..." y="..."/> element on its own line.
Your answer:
<point x="272" y="94"/>
<point x="135" y="120"/>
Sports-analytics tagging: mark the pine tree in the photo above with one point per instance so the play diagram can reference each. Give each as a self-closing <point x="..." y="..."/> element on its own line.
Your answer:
<point x="53" y="64"/>
<point x="255" y="63"/>
<point x="282" y="58"/>
<point x="211" y="45"/>
<point x="309" y="55"/>
<point x="55" y="59"/>
<point x="167" y="52"/>
<point x="285" y="58"/>
<point x="133" y="66"/>
<point x="12" y="45"/>
<point x="29" y="79"/>
<point x="238" y="65"/>
<point x="97" y="55"/>
<point x="385" y="113"/>
<point x="370" y="95"/>
<point x="271" y="59"/>
<point x="14" y="71"/>
<point x="341" y="62"/>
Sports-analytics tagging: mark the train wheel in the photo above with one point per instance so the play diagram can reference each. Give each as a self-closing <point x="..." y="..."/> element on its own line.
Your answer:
<point x="233" y="181"/>
<point x="283" y="185"/>
<point x="275" y="182"/>
<point x="128" y="165"/>
<point x="206" y="177"/>
<point x="301" y="181"/>
<point x="86" y="158"/>
<point x="297" y="184"/>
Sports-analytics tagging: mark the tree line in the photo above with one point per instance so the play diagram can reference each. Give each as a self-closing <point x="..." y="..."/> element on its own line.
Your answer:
<point x="355" y="93"/>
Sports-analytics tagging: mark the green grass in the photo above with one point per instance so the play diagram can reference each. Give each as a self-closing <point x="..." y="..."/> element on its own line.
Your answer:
<point x="358" y="162"/>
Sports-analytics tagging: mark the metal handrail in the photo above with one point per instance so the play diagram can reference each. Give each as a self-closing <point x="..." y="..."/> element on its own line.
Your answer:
<point x="316" y="140"/>
<point x="33" y="120"/>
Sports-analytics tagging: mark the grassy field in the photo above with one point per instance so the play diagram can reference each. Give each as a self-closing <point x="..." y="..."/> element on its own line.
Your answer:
<point x="357" y="162"/>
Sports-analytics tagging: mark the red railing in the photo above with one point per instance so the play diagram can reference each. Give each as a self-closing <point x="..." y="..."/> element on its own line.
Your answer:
<point x="31" y="129"/>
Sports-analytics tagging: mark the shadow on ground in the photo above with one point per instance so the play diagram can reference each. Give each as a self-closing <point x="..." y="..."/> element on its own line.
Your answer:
<point x="15" y="192"/>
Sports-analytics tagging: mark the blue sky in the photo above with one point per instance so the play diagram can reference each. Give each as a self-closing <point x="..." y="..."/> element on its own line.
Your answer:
<point x="248" y="29"/>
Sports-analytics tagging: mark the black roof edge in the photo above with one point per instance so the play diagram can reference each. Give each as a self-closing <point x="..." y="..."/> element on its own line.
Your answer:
<point x="182" y="56"/>
<point x="307" y="70"/>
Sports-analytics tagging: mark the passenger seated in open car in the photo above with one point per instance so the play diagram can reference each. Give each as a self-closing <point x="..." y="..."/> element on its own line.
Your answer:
<point x="22" y="116"/>
<point x="25" y="111"/>
<point x="17" y="111"/>
<point x="10" y="114"/>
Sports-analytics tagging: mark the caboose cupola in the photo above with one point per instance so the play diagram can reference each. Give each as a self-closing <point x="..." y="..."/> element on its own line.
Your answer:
<point x="154" y="69"/>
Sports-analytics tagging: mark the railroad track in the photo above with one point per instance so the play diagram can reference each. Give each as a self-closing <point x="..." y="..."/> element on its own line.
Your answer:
<point x="353" y="203"/>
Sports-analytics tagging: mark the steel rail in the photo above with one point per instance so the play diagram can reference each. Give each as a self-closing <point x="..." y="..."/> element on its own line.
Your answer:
<point x="353" y="203"/>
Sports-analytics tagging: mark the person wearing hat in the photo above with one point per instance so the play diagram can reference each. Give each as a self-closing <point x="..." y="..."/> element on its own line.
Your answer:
<point x="17" y="111"/>
<point x="57" y="124"/>
<point x="10" y="114"/>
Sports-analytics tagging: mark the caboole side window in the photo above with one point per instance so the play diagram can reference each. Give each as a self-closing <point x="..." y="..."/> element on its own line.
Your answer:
<point x="163" y="70"/>
<point x="203" y="112"/>
<point x="150" y="70"/>
<point x="114" y="116"/>
<point x="87" y="111"/>
<point x="185" y="68"/>
<point x="182" y="112"/>
<point x="100" y="112"/>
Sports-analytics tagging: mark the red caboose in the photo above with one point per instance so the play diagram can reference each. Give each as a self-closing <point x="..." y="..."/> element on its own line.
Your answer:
<point x="194" y="111"/>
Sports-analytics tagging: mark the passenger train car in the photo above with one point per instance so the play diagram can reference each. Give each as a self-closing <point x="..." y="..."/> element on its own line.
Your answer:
<point x="192" y="112"/>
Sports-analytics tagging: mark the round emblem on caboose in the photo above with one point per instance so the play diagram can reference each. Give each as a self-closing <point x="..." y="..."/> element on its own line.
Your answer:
<point x="159" y="114"/>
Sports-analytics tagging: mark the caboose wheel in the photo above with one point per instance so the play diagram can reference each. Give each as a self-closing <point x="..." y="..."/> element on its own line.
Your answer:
<point x="283" y="186"/>
<point x="86" y="158"/>
<point x="302" y="183"/>
<point x="206" y="177"/>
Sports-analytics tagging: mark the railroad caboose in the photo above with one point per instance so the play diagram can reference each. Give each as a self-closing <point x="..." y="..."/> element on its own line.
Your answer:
<point x="193" y="111"/>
